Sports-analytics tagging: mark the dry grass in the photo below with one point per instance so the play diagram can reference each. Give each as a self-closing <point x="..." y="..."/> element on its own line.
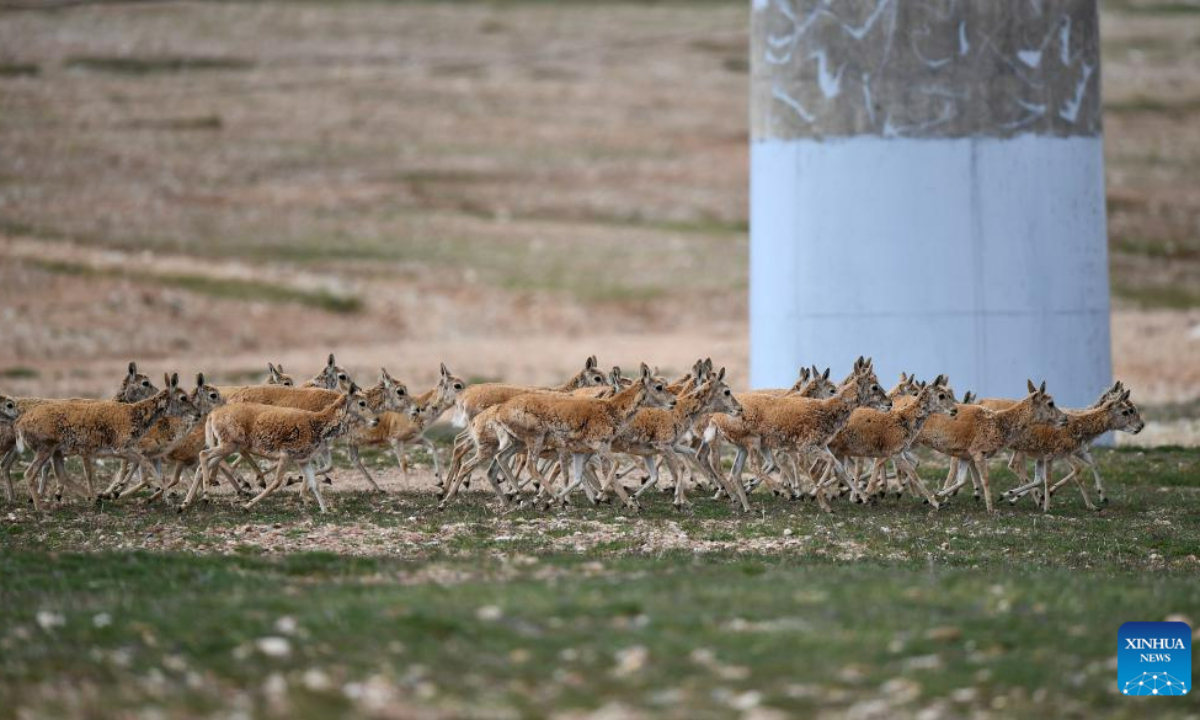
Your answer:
<point x="454" y="172"/>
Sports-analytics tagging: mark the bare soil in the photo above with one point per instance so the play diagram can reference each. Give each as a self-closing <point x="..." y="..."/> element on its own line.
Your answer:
<point x="504" y="187"/>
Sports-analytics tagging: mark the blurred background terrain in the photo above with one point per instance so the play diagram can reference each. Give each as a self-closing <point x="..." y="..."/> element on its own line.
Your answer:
<point x="505" y="186"/>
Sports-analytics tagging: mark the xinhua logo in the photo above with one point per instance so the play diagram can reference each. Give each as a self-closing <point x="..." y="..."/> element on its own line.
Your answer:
<point x="1154" y="658"/>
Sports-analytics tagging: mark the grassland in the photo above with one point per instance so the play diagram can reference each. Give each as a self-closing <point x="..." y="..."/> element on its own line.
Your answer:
<point x="388" y="608"/>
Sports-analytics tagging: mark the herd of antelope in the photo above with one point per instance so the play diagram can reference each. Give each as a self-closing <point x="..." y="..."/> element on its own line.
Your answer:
<point x="539" y="445"/>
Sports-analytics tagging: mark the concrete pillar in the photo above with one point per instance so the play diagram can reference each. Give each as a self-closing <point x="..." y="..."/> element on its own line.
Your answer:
<point x="927" y="187"/>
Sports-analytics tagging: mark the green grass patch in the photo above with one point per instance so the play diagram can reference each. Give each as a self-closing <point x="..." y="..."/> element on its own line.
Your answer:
<point x="156" y="65"/>
<point x="1158" y="8"/>
<point x="471" y="613"/>
<point x="1178" y="297"/>
<point x="301" y="636"/>
<point x="19" y="372"/>
<point x="226" y="288"/>
<point x="19" y="69"/>
<point x="1174" y="107"/>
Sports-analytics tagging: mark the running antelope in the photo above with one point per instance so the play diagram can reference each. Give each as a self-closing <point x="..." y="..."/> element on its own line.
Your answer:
<point x="281" y="434"/>
<point x="90" y="428"/>
<point x="1072" y="443"/>
<point x="134" y="387"/>
<point x="1016" y="463"/>
<point x="658" y="432"/>
<point x="976" y="433"/>
<point x="168" y="434"/>
<point x="805" y="426"/>
<point x="887" y="435"/>
<point x="576" y="427"/>
<point x="398" y="426"/>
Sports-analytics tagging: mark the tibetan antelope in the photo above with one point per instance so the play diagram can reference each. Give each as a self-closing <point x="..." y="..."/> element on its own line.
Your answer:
<point x="805" y="426"/>
<point x="168" y="434"/>
<point x="884" y="435"/>
<point x="1018" y="460"/>
<point x="398" y="426"/>
<point x="276" y="376"/>
<point x="90" y="428"/>
<point x="1072" y="442"/>
<point x="656" y="432"/>
<point x="331" y="377"/>
<point x="577" y="428"/>
<point x="281" y="434"/>
<point x="975" y="434"/>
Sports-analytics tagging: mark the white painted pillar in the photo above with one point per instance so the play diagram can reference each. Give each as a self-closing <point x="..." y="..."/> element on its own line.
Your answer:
<point x="927" y="187"/>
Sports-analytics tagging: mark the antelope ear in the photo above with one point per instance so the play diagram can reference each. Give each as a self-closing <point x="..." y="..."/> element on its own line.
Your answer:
<point x="445" y="370"/>
<point x="721" y="374"/>
<point x="1030" y="386"/>
<point x="1125" y="395"/>
<point x="645" y="371"/>
<point x="825" y="376"/>
<point x="279" y="367"/>
<point x="903" y="377"/>
<point x="941" y="380"/>
<point x="590" y="363"/>
<point x="132" y="368"/>
<point x="354" y="388"/>
<point x="270" y="367"/>
<point x="1042" y="389"/>
<point x="166" y="380"/>
<point x="199" y="379"/>
<point x="332" y="362"/>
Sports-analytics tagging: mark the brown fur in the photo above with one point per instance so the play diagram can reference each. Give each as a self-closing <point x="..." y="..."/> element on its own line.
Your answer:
<point x="280" y="433"/>
<point x="481" y="396"/>
<point x="655" y="431"/>
<point x="398" y="426"/>
<point x="166" y="434"/>
<point x="91" y="428"/>
<point x="574" y="425"/>
<point x="331" y="377"/>
<point x="1047" y="443"/>
<point x="976" y="433"/>
<point x="888" y="434"/>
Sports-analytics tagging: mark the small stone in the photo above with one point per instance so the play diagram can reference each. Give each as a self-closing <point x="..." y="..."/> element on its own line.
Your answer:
<point x="630" y="660"/>
<point x="48" y="620"/>
<point x="276" y="647"/>
<point x="489" y="613"/>
<point x="286" y="625"/>
<point x="316" y="680"/>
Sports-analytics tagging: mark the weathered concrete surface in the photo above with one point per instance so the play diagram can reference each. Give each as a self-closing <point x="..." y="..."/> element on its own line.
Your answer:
<point x="924" y="68"/>
<point x="927" y="186"/>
